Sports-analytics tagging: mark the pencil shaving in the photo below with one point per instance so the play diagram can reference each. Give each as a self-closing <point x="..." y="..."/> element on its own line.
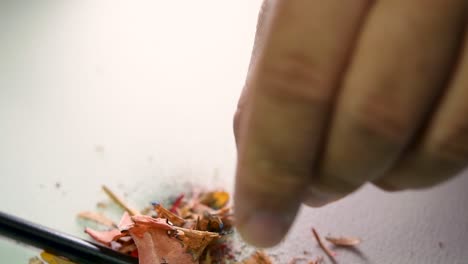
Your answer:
<point x="344" y="241"/>
<point x="97" y="218"/>
<point x="119" y="201"/>
<point x="327" y="251"/>
<point x="191" y="232"/>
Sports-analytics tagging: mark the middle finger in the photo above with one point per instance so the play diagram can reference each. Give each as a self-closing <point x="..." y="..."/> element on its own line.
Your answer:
<point x="400" y="66"/>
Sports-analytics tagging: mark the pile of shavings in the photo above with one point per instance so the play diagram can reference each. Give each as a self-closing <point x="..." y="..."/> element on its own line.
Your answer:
<point x="194" y="229"/>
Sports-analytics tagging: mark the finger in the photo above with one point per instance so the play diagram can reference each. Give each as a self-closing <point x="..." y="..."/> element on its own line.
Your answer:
<point x="401" y="62"/>
<point x="259" y="36"/>
<point x="304" y="49"/>
<point x="443" y="152"/>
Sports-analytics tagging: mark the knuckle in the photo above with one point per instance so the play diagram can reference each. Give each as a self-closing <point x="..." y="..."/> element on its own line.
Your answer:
<point x="295" y="76"/>
<point x="376" y="120"/>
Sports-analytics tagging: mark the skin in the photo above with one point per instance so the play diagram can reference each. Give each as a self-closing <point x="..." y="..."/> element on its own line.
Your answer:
<point x="344" y="93"/>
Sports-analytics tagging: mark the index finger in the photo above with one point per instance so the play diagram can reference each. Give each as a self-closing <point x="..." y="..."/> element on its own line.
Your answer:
<point x="303" y="49"/>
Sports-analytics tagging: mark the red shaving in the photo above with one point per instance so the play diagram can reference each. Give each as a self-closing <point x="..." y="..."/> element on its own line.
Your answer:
<point x="177" y="203"/>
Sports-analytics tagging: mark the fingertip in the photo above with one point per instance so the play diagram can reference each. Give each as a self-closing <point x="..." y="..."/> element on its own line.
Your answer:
<point x="264" y="215"/>
<point x="265" y="229"/>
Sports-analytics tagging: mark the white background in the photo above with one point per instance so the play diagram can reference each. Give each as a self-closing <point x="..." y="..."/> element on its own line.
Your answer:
<point x="139" y="95"/>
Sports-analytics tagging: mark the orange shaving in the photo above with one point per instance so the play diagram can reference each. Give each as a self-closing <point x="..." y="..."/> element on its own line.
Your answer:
<point x="329" y="253"/>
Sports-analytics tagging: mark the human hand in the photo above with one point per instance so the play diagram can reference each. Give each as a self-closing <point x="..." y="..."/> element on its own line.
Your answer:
<point x="341" y="93"/>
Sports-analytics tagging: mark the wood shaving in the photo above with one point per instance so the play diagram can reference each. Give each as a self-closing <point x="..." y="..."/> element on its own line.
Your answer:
<point x="193" y="231"/>
<point x="97" y="218"/>
<point x="344" y="241"/>
<point x="167" y="214"/>
<point x="196" y="241"/>
<point x="328" y="251"/>
<point x="120" y="201"/>
<point x="156" y="246"/>
<point x="164" y="238"/>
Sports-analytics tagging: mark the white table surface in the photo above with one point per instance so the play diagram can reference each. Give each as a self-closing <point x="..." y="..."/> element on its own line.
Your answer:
<point x="139" y="95"/>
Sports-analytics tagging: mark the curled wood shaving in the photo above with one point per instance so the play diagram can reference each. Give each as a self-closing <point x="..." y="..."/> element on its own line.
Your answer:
<point x="208" y="222"/>
<point x="97" y="217"/>
<point x="164" y="213"/>
<point x="195" y="240"/>
<point x="155" y="237"/>
<point x="344" y="241"/>
<point x="155" y="246"/>
<point x="329" y="253"/>
<point x="170" y="236"/>
<point x="119" y="201"/>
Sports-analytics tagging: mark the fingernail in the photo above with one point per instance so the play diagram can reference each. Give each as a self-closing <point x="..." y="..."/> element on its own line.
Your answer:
<point x="265" y="229"/>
